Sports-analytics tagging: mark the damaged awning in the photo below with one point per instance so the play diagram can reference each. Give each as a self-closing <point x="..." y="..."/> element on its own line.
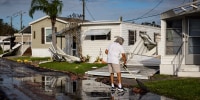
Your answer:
<point x="186" y="9"/>
<point x="97" y="32"/>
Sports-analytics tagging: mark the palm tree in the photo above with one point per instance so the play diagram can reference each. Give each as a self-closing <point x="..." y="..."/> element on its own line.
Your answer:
<point x="52" y="8"/>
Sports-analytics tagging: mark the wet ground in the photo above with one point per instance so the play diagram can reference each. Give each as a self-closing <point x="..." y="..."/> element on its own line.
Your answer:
<point x="26" y="82"/>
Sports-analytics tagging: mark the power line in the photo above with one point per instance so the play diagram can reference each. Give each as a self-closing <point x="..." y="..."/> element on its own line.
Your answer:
<point x="85" y="6"/>
<point x="90" y="13"/>
<point x="141" y="17"/>
<point x="151" y="9"/>
<point x="183" y="2"/>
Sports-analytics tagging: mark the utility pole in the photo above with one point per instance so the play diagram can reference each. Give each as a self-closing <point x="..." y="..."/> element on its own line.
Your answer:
<point x="10" y="21"/>
<point x="11" y="25"/>
<point x="21" y="20"/>
<point x="83" y="9"/>
<point x="21" y="13"/>
<point x="10" y="28"/>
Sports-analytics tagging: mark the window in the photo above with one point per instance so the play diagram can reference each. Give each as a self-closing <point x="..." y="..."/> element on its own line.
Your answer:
<point x="100" y="37"/>
<point x="98" y="34"/>
<point x="131" y="37"/>
<point x="48" y="35"/>
<point x="156" y="37"/>
<point x="173" y="36"/>
<point x="194" y="37"/>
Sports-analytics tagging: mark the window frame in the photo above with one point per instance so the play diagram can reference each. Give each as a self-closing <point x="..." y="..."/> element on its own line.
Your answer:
<point x="132" y="37"/>
<point x="45" y="33"/>
<point x="99" y="37"/>
<point x="173" y="37"/>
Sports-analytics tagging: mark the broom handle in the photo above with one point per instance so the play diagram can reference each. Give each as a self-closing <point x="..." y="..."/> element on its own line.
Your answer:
<point x="129" y="71"/>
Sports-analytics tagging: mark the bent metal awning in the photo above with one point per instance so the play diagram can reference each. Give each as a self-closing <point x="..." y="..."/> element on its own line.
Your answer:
<point x="183" y="10"/>
<point x="97" y="32"/>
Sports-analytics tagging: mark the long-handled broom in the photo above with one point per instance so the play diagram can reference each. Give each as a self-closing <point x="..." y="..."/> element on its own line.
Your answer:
<point x="140" y="84"/>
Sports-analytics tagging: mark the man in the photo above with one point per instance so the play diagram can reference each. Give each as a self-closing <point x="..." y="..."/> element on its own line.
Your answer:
<point x="114" y="52"/>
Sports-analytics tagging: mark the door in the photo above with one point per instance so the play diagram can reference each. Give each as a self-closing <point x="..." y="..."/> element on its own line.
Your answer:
<point x="71" y="46"/>
<point x="74" y="49"/>
<point x="193" y="42"/>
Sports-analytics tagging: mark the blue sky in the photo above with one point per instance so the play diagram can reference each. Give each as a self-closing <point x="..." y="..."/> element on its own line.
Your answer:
<point x="95" y="9"/>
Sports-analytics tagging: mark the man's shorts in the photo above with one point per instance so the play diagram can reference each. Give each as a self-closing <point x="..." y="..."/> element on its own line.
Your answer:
<point x="114" y="68"/>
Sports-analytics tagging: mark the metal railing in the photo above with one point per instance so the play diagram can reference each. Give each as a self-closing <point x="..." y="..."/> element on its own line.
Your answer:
<point x="177" y="60"/>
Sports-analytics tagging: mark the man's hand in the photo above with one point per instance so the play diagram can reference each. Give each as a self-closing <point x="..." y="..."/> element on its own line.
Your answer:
<point x="106" y="51"/>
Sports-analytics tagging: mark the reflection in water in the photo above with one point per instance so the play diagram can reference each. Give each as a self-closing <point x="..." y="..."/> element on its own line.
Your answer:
<point x="27" y="83"/>
<point x="91" y="90"/>
<point x="49" y="83"/>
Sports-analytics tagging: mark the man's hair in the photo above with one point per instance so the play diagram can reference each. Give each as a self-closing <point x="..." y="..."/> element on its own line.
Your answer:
<point x="119" y="40"/>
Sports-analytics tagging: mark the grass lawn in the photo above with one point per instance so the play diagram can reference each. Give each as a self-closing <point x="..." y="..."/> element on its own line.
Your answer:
<point x="22" y="58"/>
<point x="177" y="88"/>
<point x="77" y="68"/>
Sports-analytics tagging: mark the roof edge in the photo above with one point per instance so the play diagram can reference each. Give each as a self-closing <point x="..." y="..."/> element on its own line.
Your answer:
<point x="45" y="18"/>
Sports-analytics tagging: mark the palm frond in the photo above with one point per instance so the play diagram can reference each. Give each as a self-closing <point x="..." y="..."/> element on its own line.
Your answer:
<point x="51" y="8"/>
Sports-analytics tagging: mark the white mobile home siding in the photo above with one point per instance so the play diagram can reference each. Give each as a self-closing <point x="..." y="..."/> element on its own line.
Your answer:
<point x="94" y="47"/>
<point x="125" y="27"/>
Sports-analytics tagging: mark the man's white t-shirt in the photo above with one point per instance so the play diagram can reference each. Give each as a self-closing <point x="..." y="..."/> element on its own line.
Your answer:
<point x="114" y="53"/>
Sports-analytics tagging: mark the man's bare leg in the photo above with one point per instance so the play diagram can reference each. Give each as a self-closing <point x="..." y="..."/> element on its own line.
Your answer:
<point x="119" y="80"/>
<point x="112" y="79"/>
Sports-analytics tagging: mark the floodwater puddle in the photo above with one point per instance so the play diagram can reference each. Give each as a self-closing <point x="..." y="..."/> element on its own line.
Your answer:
<point x="24" y="83"/>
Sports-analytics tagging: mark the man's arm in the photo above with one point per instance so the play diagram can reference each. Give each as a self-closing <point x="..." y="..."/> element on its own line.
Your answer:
<point x="124" y="58"/>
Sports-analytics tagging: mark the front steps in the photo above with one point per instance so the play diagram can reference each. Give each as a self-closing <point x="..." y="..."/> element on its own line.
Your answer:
<point x="189" y="71"/>
<point x="188" y="74"/>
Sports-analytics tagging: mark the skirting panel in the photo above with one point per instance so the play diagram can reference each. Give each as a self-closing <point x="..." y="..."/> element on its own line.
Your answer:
<point x="41" y="53"/>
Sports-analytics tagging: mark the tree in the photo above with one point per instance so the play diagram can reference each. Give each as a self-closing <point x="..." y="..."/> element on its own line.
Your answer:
<point x="6" y="29"/>
<point x="52" y="8"/>
<point x="74" y="31"/>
